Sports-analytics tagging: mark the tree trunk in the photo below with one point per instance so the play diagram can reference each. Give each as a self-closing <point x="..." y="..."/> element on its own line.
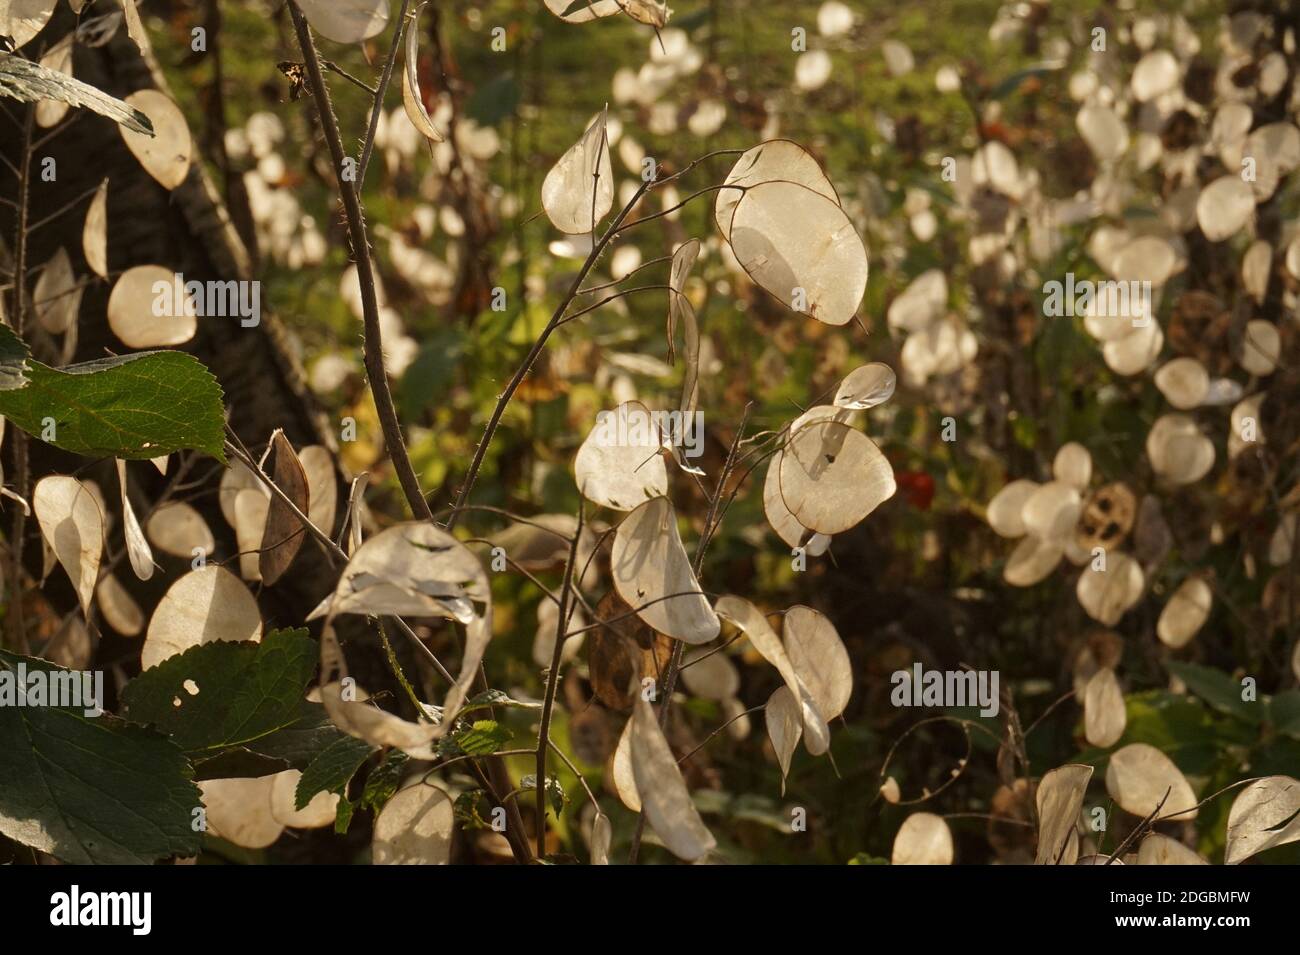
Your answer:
<point x="189" y="231"/>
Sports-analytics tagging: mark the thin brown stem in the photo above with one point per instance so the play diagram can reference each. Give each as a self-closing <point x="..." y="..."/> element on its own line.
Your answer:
<point x="335" y="552"/>
<point x="675" y="660"/>
<point x="705" y="742"/>
<point x="591" y="796"/>
<point x="379" y="92"/>
<point x="18" y="631"/>
<point x="609" y="298"/>
<point x="373" y="339"/>
<point x="644" y="265"/>
<point x="552" y="683"/>
<point x="354" y="80"/>
<point x="46" y="219"/>
<point x="526" y="366"/>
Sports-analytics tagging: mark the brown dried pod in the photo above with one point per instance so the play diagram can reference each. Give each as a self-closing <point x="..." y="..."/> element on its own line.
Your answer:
<point x="1244" y="487"/>
<point x="611" y="665"/>
<point x="1107" y="517"/>
<point x="623" y="653"/>
<point x="284" y="532"/>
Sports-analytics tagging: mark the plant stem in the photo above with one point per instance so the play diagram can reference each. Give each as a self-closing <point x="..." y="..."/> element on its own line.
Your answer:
<point x="552" y="683"/>
<point x="333" y="550"/>
<point x="379" y="92"/>
<point x="18" y="632"/>
<point x="675" y="660"/>
<point x="522" y="372"/>
<point x="494" y="778"/>
<point x="374" y="357"/>
<point x="396" y="667"/>
<point x="373" y="339"/>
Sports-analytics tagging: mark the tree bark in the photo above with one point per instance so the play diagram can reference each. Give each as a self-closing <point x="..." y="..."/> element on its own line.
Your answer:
<point x="189" y="231"/>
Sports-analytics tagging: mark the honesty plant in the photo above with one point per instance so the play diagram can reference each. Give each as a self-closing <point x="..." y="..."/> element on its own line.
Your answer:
<point x="1089" y="352"/>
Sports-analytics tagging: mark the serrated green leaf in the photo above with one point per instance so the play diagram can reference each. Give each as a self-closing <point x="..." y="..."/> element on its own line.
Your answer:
<point x="30" y="82"/>
<point x="293" y="746"/>
<point x="303" y="739"/>
<point x="224" y="693"/>
<point x="469" y="807"/>
<point x="384" y="780"/>
<point x="141" y="406"/>
<point x="343" y="815"/>
<point x="554" y="791"/>
<point x="92" y="790"/>
<point x="331" y="771"/>
<point x="482" y="738"/>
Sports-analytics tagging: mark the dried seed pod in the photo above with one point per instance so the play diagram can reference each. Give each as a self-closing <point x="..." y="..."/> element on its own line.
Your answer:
<point x="1107" y="518"/>
<point x="623" y="653"/>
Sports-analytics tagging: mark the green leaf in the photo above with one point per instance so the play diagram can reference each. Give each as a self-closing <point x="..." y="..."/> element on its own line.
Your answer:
<point x="293" y="746"/>
<point x="482" y="738"/>
<point x="30" y="82"/>
<point x="554" y="791"/>
<point x="91" y="790"/>
<point x="225" y="693"/>
<point x="429" y="379"/>
<point x="138" y="406"/>
<point x="469" y="809"/>
<point x="237" y="762"/>
<point x="13" y="361"/>
<point x="1284" y="712"/>
<point x="384" y="780"/>
<point x="303" y="739"/>
<point x="343" y="815"/>
<point x="743" y="807"/>
<point x="1218" y="689"/>
<point x="331" y="770"/>
<point x="1190" y="733"/>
